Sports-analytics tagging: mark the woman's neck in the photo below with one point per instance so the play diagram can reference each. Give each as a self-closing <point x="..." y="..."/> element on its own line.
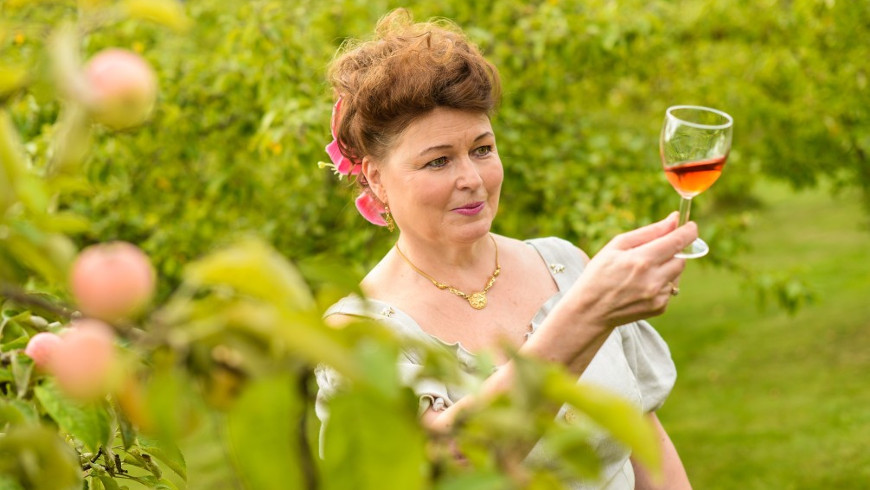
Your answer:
<point x="464" y="263"/>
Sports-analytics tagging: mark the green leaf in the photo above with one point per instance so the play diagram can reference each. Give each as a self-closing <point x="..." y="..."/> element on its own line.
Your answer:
<point x="17" y="412"/>
<point x="264" y="432"/>
<point x="87" y="423"/>
<point x="476" y="481"/>
<point x="38" y="459"/>
<point x="126" y="429"/>
<point x="624" y="421"/>
<point x="17" y="343"/>
<point x="301" y="333"/>
<point x="22" y="368"/>
<point x="11" y="162"/>
<point x="109" y="483"/>
<point x="253" y="268"/>
<point x="11" y="78"/>
<point x="62" y="222"/>
<point x="167" y="453"/>
<point x="168" y="402"/>
<point x="167" y="12"/>
<point x="386" y="451"/>
<point x="9" y="483"/>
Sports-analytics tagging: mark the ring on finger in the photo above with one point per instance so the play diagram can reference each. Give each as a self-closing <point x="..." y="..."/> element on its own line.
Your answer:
<point x="674" y="289"/>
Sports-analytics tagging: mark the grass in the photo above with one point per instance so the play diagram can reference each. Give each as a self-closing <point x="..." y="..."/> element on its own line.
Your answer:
<point x="768" y="400"/>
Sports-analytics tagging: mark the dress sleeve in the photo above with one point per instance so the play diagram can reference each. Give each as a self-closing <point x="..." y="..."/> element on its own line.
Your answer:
<point x="431" y="393"/>
<point x="650" y="360"/>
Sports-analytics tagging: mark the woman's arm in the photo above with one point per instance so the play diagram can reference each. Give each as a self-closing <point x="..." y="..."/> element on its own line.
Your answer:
<point x="628" y="280"/>
<point x="673" y="472"/>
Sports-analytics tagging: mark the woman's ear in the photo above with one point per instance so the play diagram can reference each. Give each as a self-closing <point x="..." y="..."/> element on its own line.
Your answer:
<point x="372" y="173"/>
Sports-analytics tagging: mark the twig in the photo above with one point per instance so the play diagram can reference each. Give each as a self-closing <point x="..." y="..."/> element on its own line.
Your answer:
<point x="22" y="297"/>
<point x="309" y="469"/>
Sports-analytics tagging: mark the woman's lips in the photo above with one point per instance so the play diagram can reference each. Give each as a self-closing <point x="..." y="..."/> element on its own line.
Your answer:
<point x="470" y="209"/>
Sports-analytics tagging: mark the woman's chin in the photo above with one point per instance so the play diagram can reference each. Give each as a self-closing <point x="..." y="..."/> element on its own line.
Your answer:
<point x="473" y="230"/>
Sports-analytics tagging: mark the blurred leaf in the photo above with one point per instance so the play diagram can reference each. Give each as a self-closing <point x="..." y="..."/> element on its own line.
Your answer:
<point x="166" y="452"/>
<point x="168" y="403"/>
<point x="48" y="254"/>
<point x="72" y="139"/>
<point x="22" y="368"/>
<point x="253" y="268"/>
<point x="167" y="12"/>
<point x="109" y="483"/>
<point x="11" y="78"/>
<point x="264" y="435"/>
<point x="11" y="162"/>
<point x="387" y="451"/>
<point x="125" y="428"/>
<point x="87" y="423"/>
<point x="62" y="222"/>
<point x="7" y="482"/>
<point x="622" y="420"/>
<point x="17" y="412"/>
<point x="38" y="459"/>
<point x="301" y="333"/>
<point x="476" y="481"/>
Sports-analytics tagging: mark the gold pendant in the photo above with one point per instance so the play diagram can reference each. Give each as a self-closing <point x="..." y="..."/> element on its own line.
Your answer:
<point x="477" y="300"/>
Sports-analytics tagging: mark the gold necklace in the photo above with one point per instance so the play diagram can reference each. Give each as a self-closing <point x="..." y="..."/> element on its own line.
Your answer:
<point x="476" y="300"/>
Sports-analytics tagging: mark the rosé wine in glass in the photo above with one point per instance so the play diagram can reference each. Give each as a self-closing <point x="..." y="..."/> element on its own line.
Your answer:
<point x="694" y="144"/>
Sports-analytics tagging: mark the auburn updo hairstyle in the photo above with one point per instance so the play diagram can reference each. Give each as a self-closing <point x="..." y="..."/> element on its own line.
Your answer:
<point x="405" y="72"/>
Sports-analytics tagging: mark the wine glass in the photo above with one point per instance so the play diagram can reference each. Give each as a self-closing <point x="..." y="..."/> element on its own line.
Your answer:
<point x="694" y="145"/>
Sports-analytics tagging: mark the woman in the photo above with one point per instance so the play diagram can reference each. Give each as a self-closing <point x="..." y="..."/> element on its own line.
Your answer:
<point x="412" y="122"/>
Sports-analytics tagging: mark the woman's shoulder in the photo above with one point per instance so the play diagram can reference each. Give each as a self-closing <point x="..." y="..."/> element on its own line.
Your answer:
<point x="557" y="250"/>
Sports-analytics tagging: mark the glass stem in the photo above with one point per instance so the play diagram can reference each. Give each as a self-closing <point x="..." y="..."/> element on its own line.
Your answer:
<point x="685" y="207"/>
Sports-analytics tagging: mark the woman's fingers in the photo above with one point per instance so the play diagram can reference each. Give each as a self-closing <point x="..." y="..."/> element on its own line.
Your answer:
<point x="665" y="247"/>
<point x="644" y="234"/>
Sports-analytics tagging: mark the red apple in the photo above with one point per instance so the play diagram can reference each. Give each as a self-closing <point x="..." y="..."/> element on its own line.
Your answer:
<point x="112" y="281"/>
<point x="123" y="88"/>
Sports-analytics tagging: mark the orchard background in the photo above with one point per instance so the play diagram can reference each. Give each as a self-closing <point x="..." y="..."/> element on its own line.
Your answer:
<point x="221" y="188"/>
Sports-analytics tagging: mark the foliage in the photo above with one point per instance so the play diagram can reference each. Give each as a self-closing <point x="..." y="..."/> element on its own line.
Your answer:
<point x="231" y="152"/>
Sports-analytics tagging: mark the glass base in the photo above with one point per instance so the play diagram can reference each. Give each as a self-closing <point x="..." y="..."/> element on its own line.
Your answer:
<point x="696" y="249"/>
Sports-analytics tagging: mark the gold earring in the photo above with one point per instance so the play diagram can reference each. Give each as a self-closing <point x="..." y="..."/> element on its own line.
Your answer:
<point x="388" y="217"/>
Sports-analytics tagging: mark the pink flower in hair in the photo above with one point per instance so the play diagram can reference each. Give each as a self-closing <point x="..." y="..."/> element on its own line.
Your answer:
<point x="340" y="163"/>
<point x="371" y="209"/>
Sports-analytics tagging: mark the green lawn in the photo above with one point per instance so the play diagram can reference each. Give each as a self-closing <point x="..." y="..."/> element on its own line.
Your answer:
<point x="765" y="400"/>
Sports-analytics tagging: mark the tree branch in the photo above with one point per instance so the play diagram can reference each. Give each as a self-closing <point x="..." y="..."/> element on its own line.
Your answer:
<point x="22" y="297"/>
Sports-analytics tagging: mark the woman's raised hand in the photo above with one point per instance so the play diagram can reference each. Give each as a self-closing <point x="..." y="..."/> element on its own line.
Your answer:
<point x="633" y="276"/>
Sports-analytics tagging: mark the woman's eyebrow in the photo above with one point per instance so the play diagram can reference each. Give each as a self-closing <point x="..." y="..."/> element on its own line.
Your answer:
<point x="483" y="135"/>
<point x="437" y="147"/>
<point x="447" y="147"/>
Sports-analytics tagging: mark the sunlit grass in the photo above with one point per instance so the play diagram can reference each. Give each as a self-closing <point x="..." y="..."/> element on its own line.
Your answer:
<point x="767" y="400"/>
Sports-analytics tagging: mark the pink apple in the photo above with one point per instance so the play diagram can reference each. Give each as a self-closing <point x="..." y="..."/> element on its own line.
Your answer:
<point x="112" y="281"/>
<point x="41" y="348"/>
<point x="123" y="88"/>
<point x="83" y="363"/>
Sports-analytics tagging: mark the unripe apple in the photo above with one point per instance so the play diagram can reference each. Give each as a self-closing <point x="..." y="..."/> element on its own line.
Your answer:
<point x="41" y="348"/>
<point x="112" y="281"/>
<point x="84" y="361"/>
<point x="123" y="88"/>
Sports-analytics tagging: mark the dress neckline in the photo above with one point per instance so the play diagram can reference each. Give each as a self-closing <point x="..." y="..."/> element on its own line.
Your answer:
<point x="467" y="356"/>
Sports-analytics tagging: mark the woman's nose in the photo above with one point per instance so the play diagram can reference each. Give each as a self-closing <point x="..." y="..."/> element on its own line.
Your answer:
<point x="468" y="176"/>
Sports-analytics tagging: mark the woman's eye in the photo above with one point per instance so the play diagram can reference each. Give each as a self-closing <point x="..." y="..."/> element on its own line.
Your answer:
<point x="482" y="151"/>
<point x="438" y="162"/>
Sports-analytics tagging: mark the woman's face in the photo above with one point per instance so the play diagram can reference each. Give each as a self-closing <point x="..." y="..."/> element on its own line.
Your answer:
<point x="442" y="177"/>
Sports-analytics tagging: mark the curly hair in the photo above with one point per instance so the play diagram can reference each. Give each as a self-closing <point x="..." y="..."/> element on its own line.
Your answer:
<point x="405" y="72"/>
